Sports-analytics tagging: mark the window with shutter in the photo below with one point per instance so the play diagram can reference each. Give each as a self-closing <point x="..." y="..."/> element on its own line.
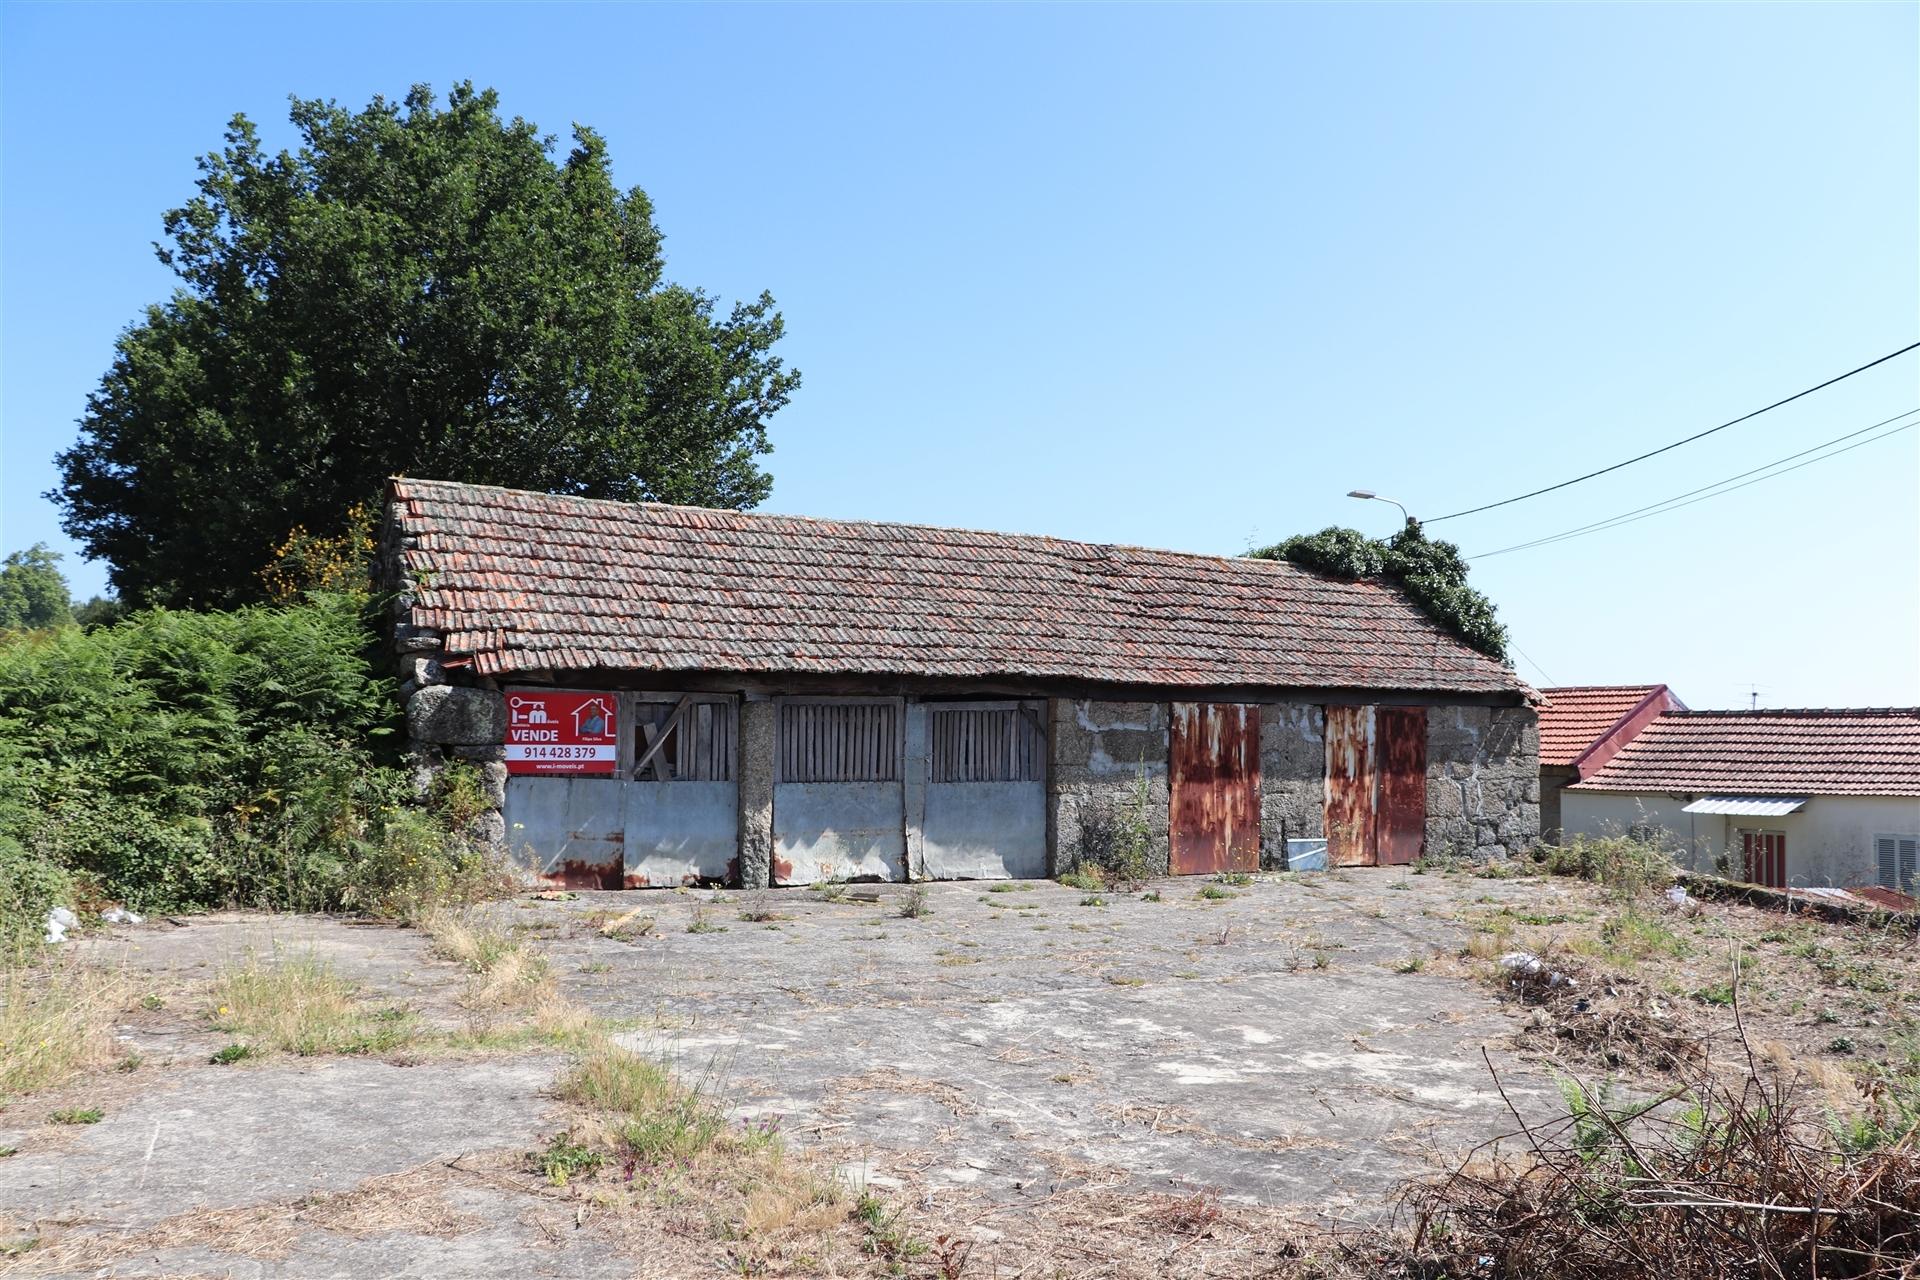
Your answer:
<point x="1897" y="862"/>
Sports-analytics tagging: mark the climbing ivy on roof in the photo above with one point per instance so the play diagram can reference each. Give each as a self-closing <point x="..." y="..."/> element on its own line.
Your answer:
<point x="1432" y="574"/>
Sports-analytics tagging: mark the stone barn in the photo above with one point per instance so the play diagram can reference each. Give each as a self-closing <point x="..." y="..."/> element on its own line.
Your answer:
<point x="664" y="695"/>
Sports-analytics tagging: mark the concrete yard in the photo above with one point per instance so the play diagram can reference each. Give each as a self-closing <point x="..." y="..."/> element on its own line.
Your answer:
<point x="1298" y="1046"/>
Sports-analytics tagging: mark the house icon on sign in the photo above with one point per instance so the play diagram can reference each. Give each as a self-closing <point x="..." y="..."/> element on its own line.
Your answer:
<point x="593" y="719"/>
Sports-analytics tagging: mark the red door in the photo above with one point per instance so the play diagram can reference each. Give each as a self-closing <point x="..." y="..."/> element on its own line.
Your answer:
<point x="1376" y="807"/>
<point x="1766" y="857"/>
<point x="1400" y="736"/>
<point x="1214" y="812"/>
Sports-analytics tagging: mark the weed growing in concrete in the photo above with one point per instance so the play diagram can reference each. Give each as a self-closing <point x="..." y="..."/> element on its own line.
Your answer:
<point x="702" y="923"/>
<point x="1093" y="900"/>
<point x="564" y="1159"/>
<point x="829" y="890"/>
<point x="151" y="1002"/>
<point x="77" y="1115"/>
<point x="1151" y="895"/>
<point x="298" y="1005"/>
<point x="1214" y="893"/>
<point x="1238" y="879"/>
<point x="624" y="926"/>
<point x="886" y="1236"/>
<point x="8" y="1151"/>
<point x="235" y="1052"/>
<point x="1321" y="960"/>
<point x="56" y="1020"/>
<point x="1412" y="964"/>
<point x="1085" y="877"/>
<point x="914" y="903"/>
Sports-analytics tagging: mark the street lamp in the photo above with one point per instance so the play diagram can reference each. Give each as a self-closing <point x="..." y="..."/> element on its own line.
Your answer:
<point x="1370" y="494"/>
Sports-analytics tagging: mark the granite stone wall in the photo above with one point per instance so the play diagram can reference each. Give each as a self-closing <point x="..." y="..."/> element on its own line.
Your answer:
<point x="1483" y="781"/>
<point x="1100" y="752"/>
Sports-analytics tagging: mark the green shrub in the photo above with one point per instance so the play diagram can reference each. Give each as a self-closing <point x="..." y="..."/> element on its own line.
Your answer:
<point x="1628" y="866"/>
<point x="180" y="760"/>
<point x="1432" y="574"/>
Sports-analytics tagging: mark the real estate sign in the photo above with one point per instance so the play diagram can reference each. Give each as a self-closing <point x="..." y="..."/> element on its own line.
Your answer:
<point x="555" y="732"/>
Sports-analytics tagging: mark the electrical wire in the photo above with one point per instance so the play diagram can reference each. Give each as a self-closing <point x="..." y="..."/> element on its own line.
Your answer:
<point x="1505" y="502"/>
<point x="1719" y="488"/>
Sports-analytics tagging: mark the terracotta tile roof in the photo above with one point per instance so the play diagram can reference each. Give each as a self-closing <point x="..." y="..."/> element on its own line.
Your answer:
<point x="1867" y="752"/>
<point x="532" y="581"/>
<point x="1574" y="717"/>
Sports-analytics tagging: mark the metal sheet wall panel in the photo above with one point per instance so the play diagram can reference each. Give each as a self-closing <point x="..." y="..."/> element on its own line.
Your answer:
<point x="1350" y="787"/>
<point x="1214" y="814"/>
<point x="680" y="832"/>
<point x="838" y="830"/>
<point x="986" y="831"/>
<point x="568" y="830"/>
<point x="1400" y="821"/>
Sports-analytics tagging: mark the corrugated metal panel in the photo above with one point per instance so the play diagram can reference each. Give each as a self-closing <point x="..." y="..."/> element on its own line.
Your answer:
<point x="1214" y="819"/>
<point x="1400" y="743"/>
<point x="1747" y="806"/>
<point x="1350" y="786"/>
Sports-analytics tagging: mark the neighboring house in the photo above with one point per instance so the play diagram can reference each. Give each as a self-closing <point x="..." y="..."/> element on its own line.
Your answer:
<point x="1781" y="798"/>
<point x="793" y="700"/>
<point x="1582" y="727"/>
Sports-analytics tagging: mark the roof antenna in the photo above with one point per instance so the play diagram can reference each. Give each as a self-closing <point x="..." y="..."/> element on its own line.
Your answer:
<point x="1753" y="694"/>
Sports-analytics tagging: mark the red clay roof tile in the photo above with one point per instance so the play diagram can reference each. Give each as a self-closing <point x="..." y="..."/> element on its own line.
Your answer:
<point x="1867" y="751"/>
<point x="1574" y="717"/>
<point x="532" y="581"/>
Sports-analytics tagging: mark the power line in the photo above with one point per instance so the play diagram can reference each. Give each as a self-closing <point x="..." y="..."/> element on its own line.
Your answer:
<point x="1610" y="520"/>
<point x="1536" y="666"/>
<point x="1504" y="502"/>
<point x="1719" y="487"/>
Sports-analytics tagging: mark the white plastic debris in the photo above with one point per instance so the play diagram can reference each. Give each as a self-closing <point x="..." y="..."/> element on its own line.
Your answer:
<point x="1530" y="965"/>
<point x="1677" y="895"/>
<point x="120" y="915"/>
<point x="59" y="920"/>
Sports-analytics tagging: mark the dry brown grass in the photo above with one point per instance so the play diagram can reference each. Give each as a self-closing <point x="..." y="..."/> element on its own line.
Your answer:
<point x="56" y="1021"/>
<point x="297" y="1004"/>
<point x="413" y="1200"/>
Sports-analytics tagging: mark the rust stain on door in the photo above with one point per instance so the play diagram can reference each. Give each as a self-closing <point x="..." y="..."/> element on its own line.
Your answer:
<point x="1350" y="787"/>
<point x="1400" y="746"/>
<point x="1214" y="817"/>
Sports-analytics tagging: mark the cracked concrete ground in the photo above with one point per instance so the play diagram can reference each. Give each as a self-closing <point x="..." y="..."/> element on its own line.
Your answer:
<point x="1284" y="1045"/>
<point x="1265" y="1044"/>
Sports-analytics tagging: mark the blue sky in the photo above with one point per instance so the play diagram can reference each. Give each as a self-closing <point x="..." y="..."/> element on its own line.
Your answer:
<point x="1176" y="276"/>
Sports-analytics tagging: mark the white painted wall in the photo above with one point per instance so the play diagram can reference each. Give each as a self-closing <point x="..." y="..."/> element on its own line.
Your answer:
<point x="1829" y="841"/>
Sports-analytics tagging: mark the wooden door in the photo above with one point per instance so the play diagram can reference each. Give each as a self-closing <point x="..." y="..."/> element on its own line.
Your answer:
<point x="1214" y="813"/>
<point x="1766" y="857"/>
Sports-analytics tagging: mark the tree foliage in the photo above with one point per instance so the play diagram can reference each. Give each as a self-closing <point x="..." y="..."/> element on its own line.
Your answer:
<point x="413" y="290"/>
<point x="1431" y="573"/>
<point x="33" y="593"/>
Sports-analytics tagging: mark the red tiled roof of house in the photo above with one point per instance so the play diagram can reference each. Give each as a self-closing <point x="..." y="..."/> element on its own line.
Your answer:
<point x="1868" y="752"/>
<point x="1574" y="717"/>
<point x="532" y="581"/>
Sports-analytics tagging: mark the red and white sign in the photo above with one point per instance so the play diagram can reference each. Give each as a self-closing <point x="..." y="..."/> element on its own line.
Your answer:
<point x="562" y="732"/>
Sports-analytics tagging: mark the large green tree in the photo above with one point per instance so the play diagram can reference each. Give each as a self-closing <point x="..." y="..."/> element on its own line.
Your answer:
<point x="413" y="290"/>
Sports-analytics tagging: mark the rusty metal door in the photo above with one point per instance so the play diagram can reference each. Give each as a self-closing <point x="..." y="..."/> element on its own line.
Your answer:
<point x="1350" y="787"/>
<point x="1400" y="823"/>
<point x="1376" y="785"/>
<point x="839" y="810"/>
<point x="568" y="830"/>
<point x="985" y="803"/>
<point x="1214" y="814"/>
